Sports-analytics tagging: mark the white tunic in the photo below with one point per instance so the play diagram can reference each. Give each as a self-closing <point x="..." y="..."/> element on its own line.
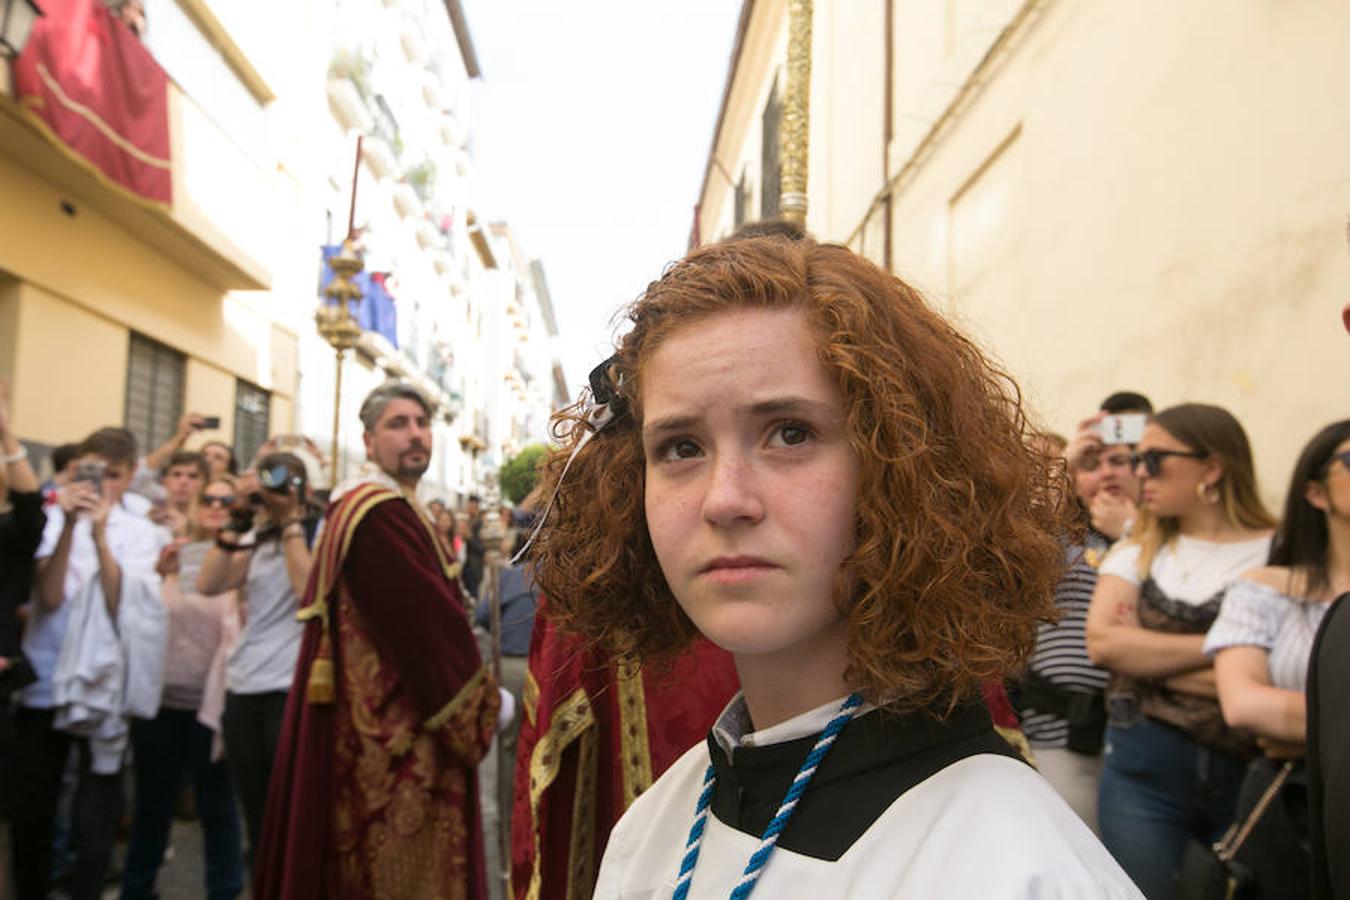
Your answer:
<point x="986" y="827"/>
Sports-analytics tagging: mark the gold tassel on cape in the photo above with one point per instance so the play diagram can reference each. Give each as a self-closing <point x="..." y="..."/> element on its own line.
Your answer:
<point x="321" y="689"/>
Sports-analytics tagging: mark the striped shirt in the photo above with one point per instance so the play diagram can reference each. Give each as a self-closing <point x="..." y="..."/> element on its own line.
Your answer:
<point x="1257" y="615"/>
<point x="1061" y="648"/>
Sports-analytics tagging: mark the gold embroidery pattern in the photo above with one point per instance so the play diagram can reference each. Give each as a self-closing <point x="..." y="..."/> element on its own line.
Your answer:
<point x="400" y="797"/>
<point x="571" y="719"/>
<point x="633" y="744"/>
<point x="581" y="854"/>
<point x="529" y="698"/>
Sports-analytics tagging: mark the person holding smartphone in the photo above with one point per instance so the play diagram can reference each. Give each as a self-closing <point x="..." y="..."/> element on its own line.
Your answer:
<point x="263" y="550"/>
<point x="152" y="470"/>
<point x="91" y="542"/>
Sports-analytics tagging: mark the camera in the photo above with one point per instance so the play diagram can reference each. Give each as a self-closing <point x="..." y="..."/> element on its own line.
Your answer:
<point x="241" y="520"/>
<point x="279" y="479"/>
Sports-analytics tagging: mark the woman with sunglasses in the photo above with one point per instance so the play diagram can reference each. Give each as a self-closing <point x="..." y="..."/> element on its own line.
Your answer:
<point x="1263" y="638"/>
<point x="178" y="742"/>
<point x="1173" y="766"/>
<point x="263" y="549"/>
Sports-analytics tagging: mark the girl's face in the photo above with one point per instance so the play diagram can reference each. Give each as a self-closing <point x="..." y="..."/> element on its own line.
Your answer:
<point x="751" y="483"/>
<point x="1175" y="489"/>
<point x="1332" y="493"/>
<point x="213" y="509"/>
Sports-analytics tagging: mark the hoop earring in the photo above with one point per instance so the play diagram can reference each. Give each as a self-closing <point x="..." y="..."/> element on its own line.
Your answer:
<point x="1202" y="491"/>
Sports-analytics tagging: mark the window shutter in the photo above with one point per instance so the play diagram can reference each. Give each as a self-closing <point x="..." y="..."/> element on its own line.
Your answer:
<point x="154" y="397"/>
<point x="252" y="419"/>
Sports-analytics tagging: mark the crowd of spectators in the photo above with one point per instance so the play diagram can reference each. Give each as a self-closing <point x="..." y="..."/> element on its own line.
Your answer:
<point x="1168" y="698"/>
<point x="148" y="643"/>
<point x="1163" y="704"/>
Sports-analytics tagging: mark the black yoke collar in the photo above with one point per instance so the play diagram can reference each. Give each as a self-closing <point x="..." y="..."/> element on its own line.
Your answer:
<point x="875" y="759"/>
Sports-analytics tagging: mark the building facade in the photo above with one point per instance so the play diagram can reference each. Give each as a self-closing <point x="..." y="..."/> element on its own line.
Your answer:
<point x="118" y="310"/>
<point x="207" y="302"/>
<point x="1144" y="196"/>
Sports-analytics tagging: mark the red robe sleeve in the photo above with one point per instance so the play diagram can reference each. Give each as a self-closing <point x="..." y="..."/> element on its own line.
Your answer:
<point x="416" y="620"/>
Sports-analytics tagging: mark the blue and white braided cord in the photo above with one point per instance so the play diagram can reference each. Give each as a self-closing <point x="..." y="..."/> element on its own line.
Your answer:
<point x="769" y="840"/>
<point x="691" y="846"/>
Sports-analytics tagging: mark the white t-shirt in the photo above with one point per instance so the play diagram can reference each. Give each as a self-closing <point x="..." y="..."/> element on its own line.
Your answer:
<point x="263" y="661"/>
<point x="1188" y="569"/>
<point x="987" y="827"/>
<point x="134" y="542"/>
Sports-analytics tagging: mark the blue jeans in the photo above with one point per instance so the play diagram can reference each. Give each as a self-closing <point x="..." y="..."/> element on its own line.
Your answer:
<point x="166" y="748"/>
<point x="1160" y="789"/>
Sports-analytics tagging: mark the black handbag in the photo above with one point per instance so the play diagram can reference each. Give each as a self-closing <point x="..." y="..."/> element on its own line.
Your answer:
<point x="1214" y="872"/>
<point x="1083" y="711"/>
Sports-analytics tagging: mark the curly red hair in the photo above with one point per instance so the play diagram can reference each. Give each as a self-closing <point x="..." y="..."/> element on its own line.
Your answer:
<point x="959" y="519"/>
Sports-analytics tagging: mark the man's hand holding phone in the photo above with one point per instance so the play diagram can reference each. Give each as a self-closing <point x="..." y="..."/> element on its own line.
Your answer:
<point x="1085" y="445"/>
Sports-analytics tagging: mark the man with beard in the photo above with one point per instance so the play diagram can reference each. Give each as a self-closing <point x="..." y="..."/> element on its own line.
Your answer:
<point x="374" y="792"/>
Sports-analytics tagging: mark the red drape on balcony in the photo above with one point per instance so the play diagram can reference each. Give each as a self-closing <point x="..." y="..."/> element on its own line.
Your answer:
<point x="97" y="90"/>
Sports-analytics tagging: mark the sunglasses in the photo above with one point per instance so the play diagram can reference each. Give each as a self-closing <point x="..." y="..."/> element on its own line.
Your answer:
<point x="210" y="500"/>
<point x="1152" y="459"/>
<point x="1342" y="458"/>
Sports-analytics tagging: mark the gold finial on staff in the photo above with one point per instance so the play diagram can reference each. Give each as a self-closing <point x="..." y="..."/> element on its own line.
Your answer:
<point x="796" y="132"/>
<point x="336" y="319"/>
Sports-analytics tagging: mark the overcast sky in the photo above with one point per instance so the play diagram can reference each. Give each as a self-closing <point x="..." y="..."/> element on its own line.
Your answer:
<point x="592" y="124"/>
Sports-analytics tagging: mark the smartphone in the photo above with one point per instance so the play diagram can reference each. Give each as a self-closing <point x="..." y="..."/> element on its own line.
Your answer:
<point x="91" y="473"/>
<point x="1126" y="428"/>
<point x="208" y="422"/>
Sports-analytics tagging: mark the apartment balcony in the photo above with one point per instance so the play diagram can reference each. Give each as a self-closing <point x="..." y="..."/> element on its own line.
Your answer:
<point x="408" y="204"/>
<point x="432" y="91"/>
<point x="379" y="157"/>
<point x="427" y="235"/>
<point x="452" y="131"/>
<point x="462" y="162"/>
<point x="414" y="48"/>
<point x="348" y="105"/>
<point x="216" y="225"/>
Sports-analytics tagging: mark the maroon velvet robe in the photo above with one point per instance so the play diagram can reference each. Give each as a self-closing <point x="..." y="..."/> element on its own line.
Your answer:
<point x="374" y="794"/>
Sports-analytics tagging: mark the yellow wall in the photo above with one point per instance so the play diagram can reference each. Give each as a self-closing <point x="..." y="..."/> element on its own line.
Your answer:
<point x="9" y="324"/>
<point x="209" y="391"/>
<point x="70" y="372"/>
<point x="81" y="283"/>
<point x="1163" y="194"/>
<point x="1143" y="195"/>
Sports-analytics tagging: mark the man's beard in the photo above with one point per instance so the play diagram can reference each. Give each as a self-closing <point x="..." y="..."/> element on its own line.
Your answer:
<point x="413" y="470"/>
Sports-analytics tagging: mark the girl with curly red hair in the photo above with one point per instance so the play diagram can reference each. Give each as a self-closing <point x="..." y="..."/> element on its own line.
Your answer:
<point x="794" y="456"/>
